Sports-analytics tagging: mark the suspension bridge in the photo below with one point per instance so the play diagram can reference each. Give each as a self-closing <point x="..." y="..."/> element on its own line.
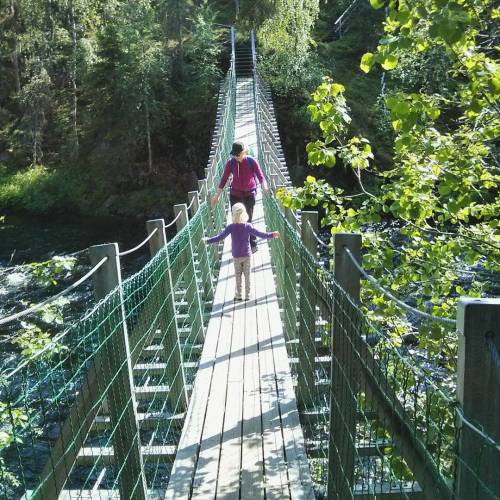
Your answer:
<point x="168" y="388"/>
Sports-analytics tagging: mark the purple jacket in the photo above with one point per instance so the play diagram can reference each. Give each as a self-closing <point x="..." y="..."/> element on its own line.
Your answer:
<point x="244" y="175"/>
<point x="240" y="238"/>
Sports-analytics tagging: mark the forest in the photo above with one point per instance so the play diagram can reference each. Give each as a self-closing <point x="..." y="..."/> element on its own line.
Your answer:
<point x="100" y="103"/>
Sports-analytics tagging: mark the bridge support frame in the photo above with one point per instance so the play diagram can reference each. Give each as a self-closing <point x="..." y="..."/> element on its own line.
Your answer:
<point x="344" y="373"/>
<point x="202" y="250"/>
<point x="121" y="398"/>
<point x="195" y="309"/>
<point x="177" y="395"/>
<point x="290" y="280"/>
<point x="478" y="392"/>
<point x="306" y="384"/>
<point x="209" y="227"/>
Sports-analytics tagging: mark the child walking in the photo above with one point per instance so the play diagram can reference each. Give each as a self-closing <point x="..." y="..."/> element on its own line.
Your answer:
<point x="240" y="231"/>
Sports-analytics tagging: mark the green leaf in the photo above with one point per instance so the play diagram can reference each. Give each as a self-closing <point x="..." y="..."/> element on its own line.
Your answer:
<point x="433" y="112"/>
<point x="397" y="125"/>
<point x="329" y="158"/>
<point x="337" y="88"/>
<point x="390" y="62"/>
<point x="377" y="4"/>
<point x="367" y="62"/>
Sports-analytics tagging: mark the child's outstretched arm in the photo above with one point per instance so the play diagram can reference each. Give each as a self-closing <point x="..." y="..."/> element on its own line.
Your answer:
<point x="220" y="236"/>
<point x="260" y="234"/>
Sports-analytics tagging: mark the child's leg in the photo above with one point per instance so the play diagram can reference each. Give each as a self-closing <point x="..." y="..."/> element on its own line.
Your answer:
<point x="246" y="271"/>
<point x="238" y="270"/>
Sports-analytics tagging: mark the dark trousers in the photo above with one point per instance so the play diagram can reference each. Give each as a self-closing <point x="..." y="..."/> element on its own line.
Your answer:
<point x="249" y="202"/>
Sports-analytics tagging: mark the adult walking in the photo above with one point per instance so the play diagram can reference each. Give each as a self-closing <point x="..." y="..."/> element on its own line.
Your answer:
<point x="245" y="171"/>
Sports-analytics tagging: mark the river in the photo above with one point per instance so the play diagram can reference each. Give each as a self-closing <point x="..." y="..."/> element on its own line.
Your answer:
<point x="26" y="239"/>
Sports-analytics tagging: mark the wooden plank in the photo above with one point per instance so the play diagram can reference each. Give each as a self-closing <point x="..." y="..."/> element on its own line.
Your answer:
<point x="276" y="481"/>
<point x="205" y="478"/>
<point x="183" y="470"/>
<point x="99" y="494"/>
<point x="298" y="468"/>
<point x="228" y="482"/>
<point x="105" y="455"/>
<point x="150" y="420"/>
<point x="389" y="491"/>
<point x="147" y="392"/>
<point x="319" y="449"/>
<point x="252" y="473"/>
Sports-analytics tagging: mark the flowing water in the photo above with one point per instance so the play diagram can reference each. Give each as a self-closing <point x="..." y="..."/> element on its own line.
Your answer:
<point x="28" y="239"/>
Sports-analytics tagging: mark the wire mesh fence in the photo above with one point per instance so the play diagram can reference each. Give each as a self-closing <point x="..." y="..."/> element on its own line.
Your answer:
<point x="97" y="410"/>
<point x="376" y="422"/>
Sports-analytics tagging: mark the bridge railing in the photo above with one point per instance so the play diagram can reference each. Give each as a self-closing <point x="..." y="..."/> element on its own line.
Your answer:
<point x="98" y="409"/>
<point x="378" y="421"/>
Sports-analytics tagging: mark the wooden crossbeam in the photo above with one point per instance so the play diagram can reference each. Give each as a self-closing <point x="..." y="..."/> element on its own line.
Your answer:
<point x="89" y="455"/>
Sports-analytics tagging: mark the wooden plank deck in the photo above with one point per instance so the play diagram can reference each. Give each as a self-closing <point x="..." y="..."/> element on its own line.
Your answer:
<point x="242" y="437"/>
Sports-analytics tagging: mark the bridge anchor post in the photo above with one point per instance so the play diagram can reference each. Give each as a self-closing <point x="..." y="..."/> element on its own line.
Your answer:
<point x="195" y="309"/>
<point x="117" y="372"/>
<point x="177" y="394"/>
<point x="306" y="384"/>
<point x="478" y="391"/>
<point x="344" y="370"/>
<point x="201" y="249"/>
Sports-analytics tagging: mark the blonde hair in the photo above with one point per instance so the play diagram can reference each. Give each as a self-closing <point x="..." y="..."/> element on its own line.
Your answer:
<point x="239" y="213"/>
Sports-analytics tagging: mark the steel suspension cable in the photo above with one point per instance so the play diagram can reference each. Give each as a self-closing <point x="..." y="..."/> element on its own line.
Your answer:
<point x="170" y="224"/>
<point x="42" y="304"/>
<point x="402" y="304"/>
<point x="132" y="250"/>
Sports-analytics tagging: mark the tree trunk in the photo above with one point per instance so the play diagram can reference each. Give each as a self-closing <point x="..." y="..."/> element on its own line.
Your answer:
<point x="73" y="76"/>
<point x="15" y="52"/>
<point x="148" y="135"/>
<point x="180" y="47"/>
<point x="34" y="132"/>
<point x="15" y="63"/>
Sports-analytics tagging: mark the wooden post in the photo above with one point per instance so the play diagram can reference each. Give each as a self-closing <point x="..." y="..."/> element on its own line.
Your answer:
<point x="292" y="263"/>
<point x="195" y="309"/>
<point x="478" y="391"/>
<point x="306" y="384"/>
<point x="193" y="202"/>
<point x="177" y="395"/>
<point x="274" y="181"/>
<point x="279" y="259"/>
<point x="209" y="177"/>
<point x="344" y="372"/>
<point x="208" y="222"/>
<point x="201" y="250"/>
<point x="203" y="190"/>
<point x="117" y="365"/>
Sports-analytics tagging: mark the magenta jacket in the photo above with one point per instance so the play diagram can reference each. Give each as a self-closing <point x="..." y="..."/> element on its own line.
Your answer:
<point x="244" y="175"/>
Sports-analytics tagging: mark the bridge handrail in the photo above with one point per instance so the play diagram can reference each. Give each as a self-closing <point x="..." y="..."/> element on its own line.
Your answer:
<point x="430" y="436"/>
<point x="50" y="300"/>
<point x="90" y="273"/>
<point x="137" y="247"/>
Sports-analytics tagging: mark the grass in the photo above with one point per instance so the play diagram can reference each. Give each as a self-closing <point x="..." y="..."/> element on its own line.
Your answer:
<point x="43" y="190"/>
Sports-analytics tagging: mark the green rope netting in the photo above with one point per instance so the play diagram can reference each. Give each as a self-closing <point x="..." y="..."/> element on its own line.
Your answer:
<point x="100" y="406"/>
<point x="394" y="426"/>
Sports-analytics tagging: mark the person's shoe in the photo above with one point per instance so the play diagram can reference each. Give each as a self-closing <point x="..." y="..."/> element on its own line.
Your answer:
<point x="248" y="298"/>
<point x="237" y="298"/>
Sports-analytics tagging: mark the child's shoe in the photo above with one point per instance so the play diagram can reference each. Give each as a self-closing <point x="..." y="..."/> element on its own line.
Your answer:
<point x="237" y="298"/>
